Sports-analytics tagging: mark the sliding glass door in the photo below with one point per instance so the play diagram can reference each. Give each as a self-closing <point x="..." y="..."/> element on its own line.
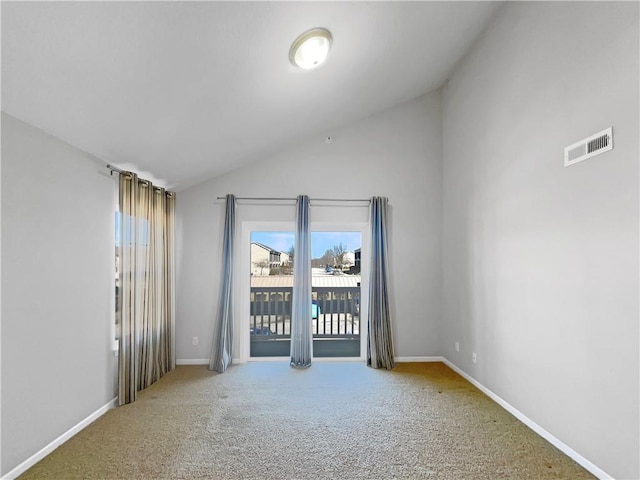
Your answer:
<point x="336" y="297"/>
<point x="335" y="293"/>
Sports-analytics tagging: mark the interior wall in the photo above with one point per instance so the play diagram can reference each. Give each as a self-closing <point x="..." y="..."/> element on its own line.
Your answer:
<point x="395" y="154"/>
<point x="1" y="471"/>
<point x="540" y="261"/>
<point x="57" y="288"/>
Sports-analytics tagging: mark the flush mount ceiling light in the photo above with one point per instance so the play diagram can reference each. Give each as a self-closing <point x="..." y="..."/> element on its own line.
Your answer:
<point x="311" y="48"/>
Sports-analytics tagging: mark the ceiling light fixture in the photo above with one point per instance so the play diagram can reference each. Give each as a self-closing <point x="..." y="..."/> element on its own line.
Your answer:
<point x="311" y="48"/>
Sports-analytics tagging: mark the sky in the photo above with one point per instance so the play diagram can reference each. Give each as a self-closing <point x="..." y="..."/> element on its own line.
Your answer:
<point x="320" y="241"/>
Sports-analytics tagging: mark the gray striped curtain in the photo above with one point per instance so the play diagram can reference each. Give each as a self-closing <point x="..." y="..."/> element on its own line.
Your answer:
<point x="379" y="342"/>
<point x="301" y="334"/>
<point x="147" y="290"/>
<point x="221" y="355"/>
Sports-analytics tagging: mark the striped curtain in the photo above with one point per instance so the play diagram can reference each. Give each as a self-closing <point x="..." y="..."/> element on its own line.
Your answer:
<point x="221" y="355"/>
<point x="301" y="334"/>
<point x="147" y="290"/>
<point x="379" y="342"/>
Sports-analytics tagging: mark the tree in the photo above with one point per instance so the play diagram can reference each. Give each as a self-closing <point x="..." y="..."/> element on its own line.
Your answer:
<point x="262" y="264"/>
<point x="327" y="258"/>
<point x="338" y="253"/>
<point x="291" y="252"/>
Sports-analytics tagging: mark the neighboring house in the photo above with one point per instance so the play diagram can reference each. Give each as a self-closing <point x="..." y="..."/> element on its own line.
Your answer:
<point x="355" y="268"/>
<point x="349" y="260"/>
<point x="264" y="258"/>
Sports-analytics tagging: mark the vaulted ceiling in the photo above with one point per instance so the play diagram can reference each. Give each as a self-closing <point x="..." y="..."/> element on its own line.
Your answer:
<point x="184" y="91"/>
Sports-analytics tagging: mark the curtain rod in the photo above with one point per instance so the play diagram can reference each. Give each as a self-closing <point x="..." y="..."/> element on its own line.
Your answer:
<point x="269" y="199"/>
<point x="146" y="182"/>
<point x="114" y="169"/>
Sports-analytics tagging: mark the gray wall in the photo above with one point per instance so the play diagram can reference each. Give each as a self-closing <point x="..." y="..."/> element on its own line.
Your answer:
<point x="396" y="154"/>
<point x="540" y="261"/>
<point x="57" y="289"/>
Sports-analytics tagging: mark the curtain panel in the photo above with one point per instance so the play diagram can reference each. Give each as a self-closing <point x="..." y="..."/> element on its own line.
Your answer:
<point x="221" y="354"/>
<point x="380" y="342"/>
<point x="301" y="333"/>
<point x="147" y="289"/>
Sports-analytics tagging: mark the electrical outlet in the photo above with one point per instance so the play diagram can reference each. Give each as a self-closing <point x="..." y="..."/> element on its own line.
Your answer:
<point x="195" y="341"/>
<point x="474" y="357"/>
<point x="457" y="346"/>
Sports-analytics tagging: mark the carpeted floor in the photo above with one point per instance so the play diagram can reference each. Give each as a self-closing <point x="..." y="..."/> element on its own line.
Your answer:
<point x="332" y="421"/>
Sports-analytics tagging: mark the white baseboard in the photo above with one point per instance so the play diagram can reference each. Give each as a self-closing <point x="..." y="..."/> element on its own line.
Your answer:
<point x="559" y="444"/>
<point x="192" y="361"/>
<point x="418" y="359"/>
<point x="35" y="458"/>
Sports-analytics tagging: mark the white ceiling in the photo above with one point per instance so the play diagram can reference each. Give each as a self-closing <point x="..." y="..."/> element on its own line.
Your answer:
<point x="184" y="91"/>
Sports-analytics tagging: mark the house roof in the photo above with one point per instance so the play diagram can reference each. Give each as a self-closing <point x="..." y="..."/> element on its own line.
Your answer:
<point x="207" y="87"/>
<point x="328" y="281"/>
<point x="271" y="250"/>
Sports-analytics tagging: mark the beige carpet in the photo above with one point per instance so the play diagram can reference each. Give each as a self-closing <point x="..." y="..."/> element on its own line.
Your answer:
<point x="332" y="421"/>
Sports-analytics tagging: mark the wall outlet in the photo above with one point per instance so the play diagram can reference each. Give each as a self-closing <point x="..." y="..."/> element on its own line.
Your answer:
<point x="474" y="357"/>
<point x="195" y="341"/>
<point x="457" y="346"/>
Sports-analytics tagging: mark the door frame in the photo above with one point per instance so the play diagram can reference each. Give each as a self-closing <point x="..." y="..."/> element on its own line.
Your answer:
<point x="243" y="283"/>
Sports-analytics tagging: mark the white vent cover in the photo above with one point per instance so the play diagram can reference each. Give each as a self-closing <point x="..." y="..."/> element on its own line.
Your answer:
<point x="589" y="147"/>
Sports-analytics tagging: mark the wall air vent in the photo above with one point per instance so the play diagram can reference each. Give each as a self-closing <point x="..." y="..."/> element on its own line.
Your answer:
<point x="589" y="147"/>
